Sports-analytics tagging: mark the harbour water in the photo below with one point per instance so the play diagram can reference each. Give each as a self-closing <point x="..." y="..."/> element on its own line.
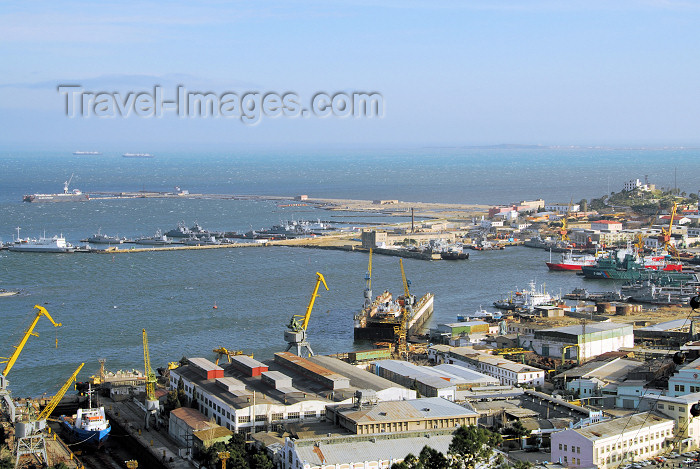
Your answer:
<point x="105" y="300"/>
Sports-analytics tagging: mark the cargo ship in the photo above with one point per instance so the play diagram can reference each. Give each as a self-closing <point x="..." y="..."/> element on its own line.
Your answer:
<point x="379" y="316"/>
<point x="76" y="195"/>
<point x="137" y="155"/>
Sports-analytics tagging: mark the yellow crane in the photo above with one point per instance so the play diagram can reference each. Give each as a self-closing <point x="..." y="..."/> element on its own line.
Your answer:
<point x="564" y="230"/>
<point x="224" y="352"/>
<point x="59" y="395"/>
<point x="368" y="280"/>
<point x="30" y="439"/>
<point x="18" y="348"/>
<point x="665" y="236"/>
<point x="151" y="401"/>
<point x="401" y="330"/>
<point x="148" y="371"/>
<point x="296" y="335"/>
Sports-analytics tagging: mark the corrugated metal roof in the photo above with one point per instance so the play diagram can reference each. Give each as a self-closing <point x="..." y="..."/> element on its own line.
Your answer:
<point x="617" y="426"/>
<point x="359" y="378"/>
<point x="204" y="364"/>
<point x="667" y="326"/>
<point x="247" y="361"/>
<point x="360" y="451"/>
<point x="308" y="365"/>
<point x="192" y="418"/>
<point x="424" y="408"/>
<point x="465" y="373"/>
<point x="577" y="329"/>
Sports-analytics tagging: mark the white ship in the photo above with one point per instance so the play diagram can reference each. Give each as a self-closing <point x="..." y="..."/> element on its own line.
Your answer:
<point x="43" y="244"/>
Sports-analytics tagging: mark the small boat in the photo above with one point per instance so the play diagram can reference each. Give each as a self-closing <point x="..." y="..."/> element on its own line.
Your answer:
<point x="86" y="153"/>
<point x="137" y="155"/>
<point x="87" y="425"/>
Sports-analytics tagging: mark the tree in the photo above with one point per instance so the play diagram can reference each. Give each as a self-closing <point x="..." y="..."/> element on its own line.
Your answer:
<point x="472" y="445"/>
<point x="171" y="402"/>
<point x="583" y="205"/>
<point x="519" y="431"/>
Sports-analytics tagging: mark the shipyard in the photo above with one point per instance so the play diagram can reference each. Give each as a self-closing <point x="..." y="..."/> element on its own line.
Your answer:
<point x="524" y="349"/>
<point x="382" y="235"/>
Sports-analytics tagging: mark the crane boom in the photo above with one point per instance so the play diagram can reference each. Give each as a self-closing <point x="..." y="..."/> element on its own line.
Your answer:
<point x="296" y="336"/>
<point x="405" y="282"/>
<point x="29" y="332"/>
<point x="368" y="280"/>
<point x="59" y="395"/>
<point x="148" y="371"/>
<point x="314" y="295"/>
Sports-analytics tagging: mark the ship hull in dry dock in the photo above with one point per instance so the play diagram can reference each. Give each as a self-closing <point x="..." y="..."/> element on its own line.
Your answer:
<point x="368" y="328"/>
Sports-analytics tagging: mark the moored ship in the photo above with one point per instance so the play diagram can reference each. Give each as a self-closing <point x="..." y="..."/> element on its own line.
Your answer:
<point x="87" y="425"/>
<point x="625" y="265"/>
<point x="43" y="244"/>
<point x="571" y="262"/>
<point x="99" y="238"/>
<point x="379" y="317"/>
<point x="76" y="195"/>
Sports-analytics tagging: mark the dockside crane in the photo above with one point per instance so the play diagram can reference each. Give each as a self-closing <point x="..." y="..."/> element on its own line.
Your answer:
<point x="224" y="352"/>
<point x="9" y="362"/>
<point x="30" y="439"/>
<point x="665" y="236"/>
<point x="401" y="330"/>
<point x="368" y="280"/>
<point x="296" y="335"/>
<point x="151" y="401"/>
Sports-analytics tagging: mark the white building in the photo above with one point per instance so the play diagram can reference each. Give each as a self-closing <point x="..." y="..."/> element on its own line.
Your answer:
<point x="562" y="208"/>
<point x="583" y="341"/>
<point x="607" y="444"/>
<point x="506" y="371"/>
<point x="377" y="451"/>
<point x="634" y="184"/>
<point x="686" y="380"/>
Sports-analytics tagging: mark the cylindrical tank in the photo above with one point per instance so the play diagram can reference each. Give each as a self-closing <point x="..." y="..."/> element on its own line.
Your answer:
<point x="605" y="308"/>
<point x="624" y="309"/>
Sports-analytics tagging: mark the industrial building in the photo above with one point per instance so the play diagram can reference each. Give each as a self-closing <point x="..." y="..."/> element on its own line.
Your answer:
<point x="359" y="451"/>
<point x="506" y="371"/>
<point x="686" y="380"/>
<point x="579" y="342"/>
<point x="607" y="444"/>
<point x="446" y="381"/>
<point x="429" y="413"/>
<point x="250" y="396"/>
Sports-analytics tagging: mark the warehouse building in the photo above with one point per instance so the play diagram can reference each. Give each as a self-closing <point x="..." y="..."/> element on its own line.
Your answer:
<point x="583" y="341"/>
<point x="446" y="381"/>
<point x="508" y="372"/>
<point x="250" y="396"/>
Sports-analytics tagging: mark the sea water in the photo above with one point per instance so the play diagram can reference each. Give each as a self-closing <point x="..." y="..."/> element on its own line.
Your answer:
<point x="104" y="301"/>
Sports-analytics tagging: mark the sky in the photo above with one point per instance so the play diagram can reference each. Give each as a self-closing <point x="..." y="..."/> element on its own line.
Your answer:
<point x="449" y="73"/>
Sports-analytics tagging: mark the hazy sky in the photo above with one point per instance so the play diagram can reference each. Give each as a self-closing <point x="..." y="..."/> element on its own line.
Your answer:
<point x="450" y="73"/>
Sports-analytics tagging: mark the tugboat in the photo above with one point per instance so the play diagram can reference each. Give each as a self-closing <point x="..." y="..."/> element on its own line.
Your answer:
<point x="87" y="425"/>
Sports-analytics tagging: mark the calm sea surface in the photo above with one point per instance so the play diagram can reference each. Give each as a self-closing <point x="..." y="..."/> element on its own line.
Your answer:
<point x="104" y="301"/>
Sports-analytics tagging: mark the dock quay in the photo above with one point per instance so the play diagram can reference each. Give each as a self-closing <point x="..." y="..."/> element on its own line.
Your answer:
<point x="151" y="448"/>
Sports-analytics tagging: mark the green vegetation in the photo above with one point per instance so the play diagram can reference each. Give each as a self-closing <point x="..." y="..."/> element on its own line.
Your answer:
<point x="647" y="203"/>
<point x="240" y="457"/>
<point x="469" y="447"/>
